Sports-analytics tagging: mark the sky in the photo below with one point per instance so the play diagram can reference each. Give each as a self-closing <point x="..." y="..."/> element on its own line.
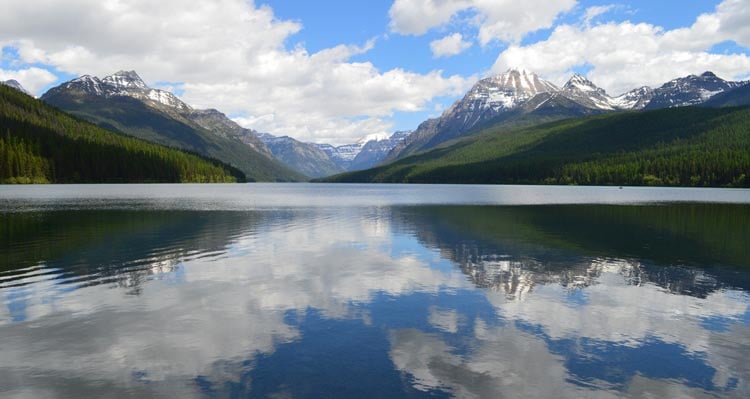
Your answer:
<point x="336" y="70"/>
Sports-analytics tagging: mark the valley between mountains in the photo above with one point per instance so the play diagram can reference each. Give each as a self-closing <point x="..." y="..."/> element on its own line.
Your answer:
<point x="512" y="128"/>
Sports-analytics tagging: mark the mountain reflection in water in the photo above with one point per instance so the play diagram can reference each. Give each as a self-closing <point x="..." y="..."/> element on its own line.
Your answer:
<point x="381" y="301"/>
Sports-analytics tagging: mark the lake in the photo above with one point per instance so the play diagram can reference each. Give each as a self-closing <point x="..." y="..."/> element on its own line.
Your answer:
<point x="383" y="291"/>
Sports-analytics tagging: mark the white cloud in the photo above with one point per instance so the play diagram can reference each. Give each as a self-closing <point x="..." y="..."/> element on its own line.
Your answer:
<point x="627" y="55"/>
<point x="449" y="45"/>
<point x="595" y="11"/>
<point x="416" y="17"/>
<point x="504" y="20"/>
<point x="230" y="54"/>
<point x="32" y="79"/>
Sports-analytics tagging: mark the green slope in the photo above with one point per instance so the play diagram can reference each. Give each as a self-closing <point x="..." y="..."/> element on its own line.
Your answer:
<point x="135" y="118"/>
<point x="732" y="98"/>
<point x="40" y="144"/>
<point x="542" y="108"/>
<point x="680" y="147"/>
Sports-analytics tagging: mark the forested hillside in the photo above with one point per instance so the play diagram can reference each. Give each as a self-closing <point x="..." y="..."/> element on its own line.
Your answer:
<point x="40" y="144"/>
<point x="124" y="103"/>
<point x="674" y="147"/>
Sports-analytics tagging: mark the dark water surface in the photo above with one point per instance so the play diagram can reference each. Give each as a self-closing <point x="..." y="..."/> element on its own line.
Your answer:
<point x="306" y="291"/>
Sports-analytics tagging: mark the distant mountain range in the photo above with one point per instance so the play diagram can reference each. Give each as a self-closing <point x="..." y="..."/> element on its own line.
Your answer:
<point x="680" y="146"/>
<point x="123" y="102"/>
<point x="318" y="160"/>
<point x="509" y="101"/>
<point x="517" y="128"/>
<point x="305" y="158"/>
<point x="521" y="98"/>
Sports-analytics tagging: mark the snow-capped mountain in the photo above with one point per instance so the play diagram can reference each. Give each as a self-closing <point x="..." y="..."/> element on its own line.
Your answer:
<point x="690" y="90"/>
<point x="124" y="102"/>
<point x="343" y="154"/>
<point x="519" y="97"/>
<point x="318" y="160"/>
<point x="586" y="93"/>
<point x="494" y="95"/>
<point x="14" y="84"/>
<point x="376" y="148"/>
<point x="487" y="100"/>
<point x="634" y="99"/>
<point x="123" y="83"/>
<point x="346" y="155"/>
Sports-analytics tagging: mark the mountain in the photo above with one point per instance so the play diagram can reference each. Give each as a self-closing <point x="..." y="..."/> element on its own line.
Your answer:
<point x="14" y="84"/>
<point x="318" y="160"/>
<point x="305" y="158"/>
<point x="635" y="99"/>
<point x="123" y="102"/>
<point x="586" y="93"/>
<point x="486" y="100"/>
<point x="514" y="98"/>
<point x="519" y="98"/>
<point x="731" y="98"/>
<point x="342" y="155"/>
<point x="41" y="144"/>
<point x="345" y="156"/>
<point x="376" y="149"/>
<point x="690" y="90"/>
<point x="685" y="146"/>
<point x="218" y="123"/>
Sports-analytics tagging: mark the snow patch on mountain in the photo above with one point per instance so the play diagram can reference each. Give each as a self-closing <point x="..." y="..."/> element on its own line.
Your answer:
<point x="128" y="84"/>
<point x="634" y="99"/>
<point x="690" y="90"/>
<point x="586" y="93"/>
<point x="503" y="92"/>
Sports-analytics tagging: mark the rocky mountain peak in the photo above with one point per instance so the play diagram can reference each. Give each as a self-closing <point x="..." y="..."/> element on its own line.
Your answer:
<point x="690" y="90"/>
<point x="585" y="92"/>
<point x="125" y="79"/>
<point x="122" y="83"/>
<point x="518" y="81"/>
<point x="580" y="82"/>
<point x="634" y="99"/>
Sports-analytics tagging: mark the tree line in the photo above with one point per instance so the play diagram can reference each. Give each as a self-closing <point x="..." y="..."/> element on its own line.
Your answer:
<point x="40" y="144"/>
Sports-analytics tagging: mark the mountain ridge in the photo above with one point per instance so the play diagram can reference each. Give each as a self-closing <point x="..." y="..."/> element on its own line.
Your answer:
<point x="679" y="146"/>
<point x="124" y="102"/>
<point x="495" y="101"/>
<point x="42" y="144"/>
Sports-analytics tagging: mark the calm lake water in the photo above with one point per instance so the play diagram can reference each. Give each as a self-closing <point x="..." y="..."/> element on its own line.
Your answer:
<point x="307" y="291"/>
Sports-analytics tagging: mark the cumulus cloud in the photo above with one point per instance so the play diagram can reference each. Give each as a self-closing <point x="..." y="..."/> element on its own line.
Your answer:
<point x="449" y="45"/>
<point x="230" y="54"/>
<point x="504" y="20"/>
<point x="626" y="55"/>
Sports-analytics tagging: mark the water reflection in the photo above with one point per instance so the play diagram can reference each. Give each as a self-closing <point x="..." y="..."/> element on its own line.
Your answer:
<point x="465" y="301"/>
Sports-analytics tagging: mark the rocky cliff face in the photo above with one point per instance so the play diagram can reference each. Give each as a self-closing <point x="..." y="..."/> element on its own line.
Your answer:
<point x="690" y="90"/>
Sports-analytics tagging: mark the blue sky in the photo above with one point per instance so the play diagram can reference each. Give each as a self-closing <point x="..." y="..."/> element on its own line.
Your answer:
<point x="334" y="70"/>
